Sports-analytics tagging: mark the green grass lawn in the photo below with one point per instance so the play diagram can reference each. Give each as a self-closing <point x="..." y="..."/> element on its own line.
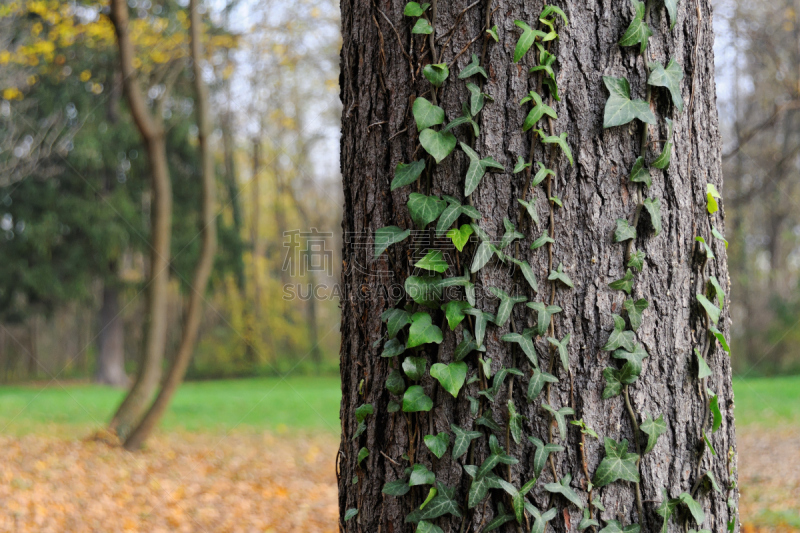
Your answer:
<point x="304" y="403"/>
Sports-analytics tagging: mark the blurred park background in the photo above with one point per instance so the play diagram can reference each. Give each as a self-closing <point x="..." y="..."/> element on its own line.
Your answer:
<point x="256" y="423"/>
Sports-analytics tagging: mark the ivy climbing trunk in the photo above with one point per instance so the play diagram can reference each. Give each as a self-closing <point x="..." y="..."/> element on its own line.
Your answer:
<point x="601" y="219"/>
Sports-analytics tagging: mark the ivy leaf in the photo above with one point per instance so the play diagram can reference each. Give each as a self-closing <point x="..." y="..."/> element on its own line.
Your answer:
<point x="414" y="367"/>
<point x="350" y="513"/>
<point x="636" y="261"/>
<point x="613" y="384"/>
<point x="520" y="165"/>
<point x="482" y="256"/>
<point x="694" y="508"/>
<point x="709" y="444"/>
<point x="426" y="114"/>
<point x="514" y="422"/>
<point x="561" y="141"/>
<point x="662" y="161"/>
<point x="443" y="503"/>
<point x="531" y="208"/>
<point x="560" y="417"/>
<point x="638" y="32"/>
<point x="510" y="235"/>
<point x="587" y="521"/>
<point x="527" y="272"/>
<point x="540" y="520"/>
<point x="493" y="32"/>
<point x="437" y="444"/>
<point x="619" y="338"/>
<point x="561" y="276"/>
<point x="451" y="377"/>
<point x="624" y="231"/>
<point x="424" y="290"/>
<point x="398" y="487"/>
<point x="438" y="144"/>
<point x="395" y="382"/>
<point x="562" y="350"/>
<point x="460" y="236"/>
<point x="415" y="400"/>
<point x="392" y="348"/>
<point x="716" y="290"/>
<point x="670" y="78"/>
<point x="472" y="69"/>
<point x="363" y="453"/>
<point x="653" y="207"/>
<point x="672" y="9"/>
<point x="424" y="209"/>
<point x="625" y="283"/>
<point x="477" y="168"/>
<point x="422" y="27"/>
<point x="413" y="9"/>
<point x="711" y="310"/>
<point x="635" y="310"/>
<point x="721" y="338"/>
<point x="407" y="174"/>
<point x="479" y="487"/>
<point x="385" y="237"/>
<point x="465" y="118"/>
<point x="640" y="173"/>
<point x="436" y="73"/>
<point x="541" y="454"/>
<point x="423" y="330"/>
<point x="362" y="411"/>
<point x="553" y="10"/>
<point x="506" y="305"/>
<point x="538" y="111"/>
<point x="395" y="320"/>
<point x="541" y="241"/>
<point x="453" y="311"/>
<point x="481" y="319"/>
<point x="719" y="236"/>
<point x="712" y="195"/>
<point x="556" y="200"/>
<point x="537" y="383"/>
<point x="500" y="519"/>
<point x="617" y="464"/>
<point x="613" y="526"/>
<point x="563" y="488"/>
<point x="653" y="428"/>
<point x="633" y="366"/>
<point x="476" y="98"/>
<point x="620" y="109"/>
<point x="706" y="247"/>
<point x="541" y="174"/>
<point x="526" y="343"/>
<point x="586" y="430"/>
<point x="433" y="261"/>
<point x="713" y="481"/>
<point x="703" y="370"/>
<point x="420" y="475"/>
<point x="424" y="526"/>
<point x="526" y="40"/>
<point x="544" y="314"/>
<point x="546" y="60"/>
<point x="467" y="346"/>
<point x="713" y="405"/>
<point x="552" y="87"/>
<point x="463" y="438"/>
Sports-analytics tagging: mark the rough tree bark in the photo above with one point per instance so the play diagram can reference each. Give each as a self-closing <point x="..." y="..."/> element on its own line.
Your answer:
<point x="381" y="66"/>
<point x="205" y="262"/>
<point x="152" y="131"/>
<point x="111" y="341"/>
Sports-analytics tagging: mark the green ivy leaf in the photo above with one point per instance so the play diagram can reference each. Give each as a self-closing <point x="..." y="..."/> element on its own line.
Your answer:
<point x="635" y="310"/>
<point x="636" y="261"/>
<point x="640" y="173"/>
<point x="560" y="416"/>
<point x="531" y="208"/>
<point x="527" y="273"/>
<point x="424" y="209"/>
<point x="624" y="231"/>
<point x="385" y="237"/>
<point x="563" y="352"/>
<point x="462" y="440"/>
<point x="713" y="481"/>
<point x="553" y="10"/>
<point x="477" y="168"/>
<point x="713" y="405"/>
<point x="467" y="346"/>
<point x="653" y="208"/>
<point x="708" y="443"/>
<point x="465" y="118"/>
<point x="424" y="526"/>
<point x="541" y="174"/>
<point x="514" y="422"/>
<point x="437" y="444"/>
<point x="420" y="475"/>
<point x="556" y="200"/>
<point x="479" y="488"/>
<point x="460" y="236"/>
<point x="586" y="430"/>
<point x="395" y="320"/>
<point x="443" y="503"/>
<point x="451" y="376"/>
<point x="476" y="98"/>
<point x="433" y="261"/>
<point x="526" y="343"/>
<point x="552" y="87"/>
<point x="493" y="32"/>
<point x="625" y="283"/>
<point x="541" y="454"/>
<point x="540" y="520"/>
<point x="395" y="382"/>
<point x="506" y="305"/>
<point x="398" y="487"/>
<point x="436" y="73"/>
<point x="694" y="508"/>
<point x="617" y="464"/>
<point x="563" y="488"/>
<point x="414" y="367"/>
<point x="501" y="517"/>
<point x="561" y="276"/>
<point x="537" y="383"/>
<point x="426" y="114"/>
<point x="706" y="247"/>
<point x="544" y="314"/>
<point x="561" y="141"/>
<point x="538" y="111"/>
<point x="415" y="400"/>
<point x="662" y="161"/>
<point x="613" y="526"/>
<point x="526" y="40"/>
<point x="392" y="348"/>
<point x="482" y="256"/>
<point x="423" y="330"/>
<point x="436" y="143"/>
<point x="521" y="165"/>
<point x="619" y="338"/>
<point x="481" y="319"/>
<point x="613" y="384"/>
<point x="703" y="370"/>
<point x="453" y="311"/>
<point x="510" y="235"/>
<point x="350" y="513"/>
<point x="711" y="310"/>
<point x="638" y="32"/>
<point x="672" y="9"/>
<point x="424" y="290"/>
<point x="422" y="27"/>
<point x="363" y="453"/>
<point x="413" y="9"/>
<point x="541" y="241"/>
<point x="546" y="60"/>
<point x="653" y="428"/>
<point x="633" y="366"/>
<point x="473" y="69"/>
<point x="719" y="236"/>
<point x="407" y="174"/>
<point x="721" y="338"/>
<point x="670" y="78"/>
<point x="620" y="109"/>
<point x="712" y="195"/>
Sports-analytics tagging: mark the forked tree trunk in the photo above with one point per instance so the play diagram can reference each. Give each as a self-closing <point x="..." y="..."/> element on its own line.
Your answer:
<point x="205" y="263"/>
<point x="381" y="75"/>
<point x="111" y="341"/>
<point x="152" y="132"/>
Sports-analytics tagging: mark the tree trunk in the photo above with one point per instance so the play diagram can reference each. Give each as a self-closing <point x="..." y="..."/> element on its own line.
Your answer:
<point x="152" y="132"/>
<point x="205" y="262"/>
<point x="111" y="341"/>
<point x="381" y="75"/>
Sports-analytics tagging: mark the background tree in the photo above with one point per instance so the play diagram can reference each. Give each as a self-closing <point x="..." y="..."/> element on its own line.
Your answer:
<point x="460" y="421"/>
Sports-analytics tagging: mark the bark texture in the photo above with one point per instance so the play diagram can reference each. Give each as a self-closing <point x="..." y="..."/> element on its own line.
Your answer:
<point x="381" y="74"/>
<point x="152" y="131"/>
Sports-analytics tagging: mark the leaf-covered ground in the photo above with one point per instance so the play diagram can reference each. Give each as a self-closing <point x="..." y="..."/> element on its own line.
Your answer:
<point x="265" y="482"/>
